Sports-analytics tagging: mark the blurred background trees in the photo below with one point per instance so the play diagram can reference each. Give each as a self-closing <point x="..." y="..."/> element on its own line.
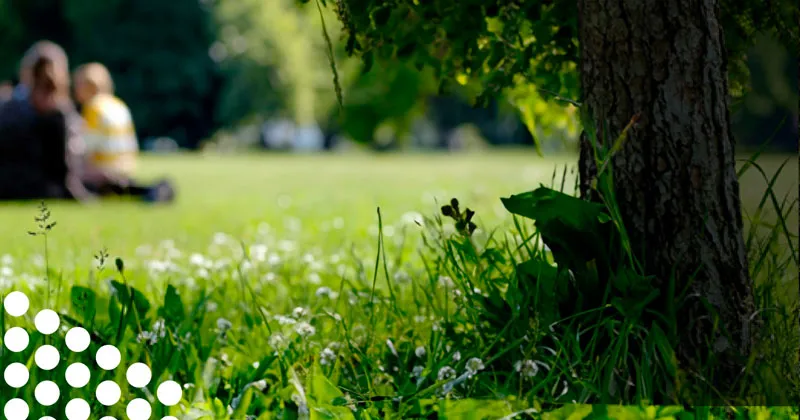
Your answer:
<point x="247" y="72"/>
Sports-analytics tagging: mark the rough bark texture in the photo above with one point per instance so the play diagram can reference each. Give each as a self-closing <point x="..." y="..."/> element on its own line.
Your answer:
<point x="675" y="178"/>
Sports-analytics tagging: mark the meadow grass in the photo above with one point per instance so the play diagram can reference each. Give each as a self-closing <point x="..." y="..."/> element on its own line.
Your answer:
<point x="273" y="287"/>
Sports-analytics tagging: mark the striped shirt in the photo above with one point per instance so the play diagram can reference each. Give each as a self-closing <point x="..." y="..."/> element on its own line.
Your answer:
<point x="109" y="135"/>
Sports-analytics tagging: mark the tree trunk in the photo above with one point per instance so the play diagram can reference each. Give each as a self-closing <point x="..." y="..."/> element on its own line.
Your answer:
<point x="675" y="176"/>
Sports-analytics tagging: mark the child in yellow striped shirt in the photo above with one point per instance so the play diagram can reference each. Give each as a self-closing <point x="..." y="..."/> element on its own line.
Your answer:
<point x="109" y="134"/>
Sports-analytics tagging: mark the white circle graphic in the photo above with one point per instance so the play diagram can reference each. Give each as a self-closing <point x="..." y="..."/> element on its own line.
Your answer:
<point x="16" y="304"/>
<point x="139" y="409"/>
<point x="77" y="339"/>
<point x="108" y="357"/>
<point x="16" y="339"/>
<point x="46" y="357"/>
<point x="169" y="393"/>
<point x="16" y="409"/>
<point x="108" y="393"/>
<point x="47" y="322"/>
<point x="77" y="409"/>
<point x="47" y="393"/>
<point x="139" y="375"/>
<point x="16" y="375"/>
<point x="77" y="375"/>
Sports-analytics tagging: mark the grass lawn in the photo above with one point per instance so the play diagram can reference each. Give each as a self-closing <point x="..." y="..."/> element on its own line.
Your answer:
<point x="303" y="308"/>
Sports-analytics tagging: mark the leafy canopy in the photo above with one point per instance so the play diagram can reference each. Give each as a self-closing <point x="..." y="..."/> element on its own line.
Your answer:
<point x="505" y="43"/>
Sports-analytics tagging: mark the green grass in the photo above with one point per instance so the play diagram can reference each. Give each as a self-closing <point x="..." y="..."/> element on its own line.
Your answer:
<point x="271" y="248"/>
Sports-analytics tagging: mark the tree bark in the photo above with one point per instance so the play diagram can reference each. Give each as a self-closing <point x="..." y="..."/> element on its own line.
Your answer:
<point x="675" y="176"/>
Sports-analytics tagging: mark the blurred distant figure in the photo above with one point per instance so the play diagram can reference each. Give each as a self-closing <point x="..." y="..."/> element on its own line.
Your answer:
<point x="110" y="138"/>
<point x="39" y="131"/>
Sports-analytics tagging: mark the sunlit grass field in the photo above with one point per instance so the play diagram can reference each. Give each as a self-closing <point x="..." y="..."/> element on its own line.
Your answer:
<point x="264" y="285"/>
<point x="333" y="197"/>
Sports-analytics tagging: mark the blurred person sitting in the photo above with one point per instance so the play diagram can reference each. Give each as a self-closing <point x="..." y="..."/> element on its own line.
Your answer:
<point x="111" y="146"/>
<point x="39" y="132"/>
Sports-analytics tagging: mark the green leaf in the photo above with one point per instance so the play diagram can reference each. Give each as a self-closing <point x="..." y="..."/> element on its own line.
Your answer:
<point x="321" y="389"/>
<point x="571" y="227"/>
<point x="325" y="398"/>
<point x="84" y="302"/>
<point x="123" y="294"/>
<point x="173" y="310"/>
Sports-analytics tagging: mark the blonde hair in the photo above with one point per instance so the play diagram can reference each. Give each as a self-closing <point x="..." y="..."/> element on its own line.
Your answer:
<point x="97" y="76"/>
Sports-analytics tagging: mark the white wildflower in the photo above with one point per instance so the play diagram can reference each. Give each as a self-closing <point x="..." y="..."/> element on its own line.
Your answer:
<point x="420" y="351"/>
<point x="457" y="356"/>
<point x="474" y="365"/>
<point x="299" y="312"/>
<point x="417" y="371"/>
<point x="258" y="252"/>
<point x="326" y="292"/>
<point x="305" y="329"/>
<point x="223" y="324"/>
<point x="327" y="356"/>
<point x="526" y="368"/>
<point x="446" y="373"/>
<point x="199" y="260"/>
<point x="276" y="340"/>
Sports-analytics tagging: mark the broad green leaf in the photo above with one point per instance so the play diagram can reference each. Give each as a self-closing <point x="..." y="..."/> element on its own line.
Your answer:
<point x="321" y="389"/>
<point x="84" y="302"/>
<point x="173" y="310"/>
<point x="123" y="295"/>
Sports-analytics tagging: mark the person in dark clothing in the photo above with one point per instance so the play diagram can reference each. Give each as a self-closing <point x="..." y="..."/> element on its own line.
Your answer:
<point x="32" y="142"/>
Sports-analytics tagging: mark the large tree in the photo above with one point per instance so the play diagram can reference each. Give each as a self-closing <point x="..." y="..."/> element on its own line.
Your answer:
<point x="664" y="64"/>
